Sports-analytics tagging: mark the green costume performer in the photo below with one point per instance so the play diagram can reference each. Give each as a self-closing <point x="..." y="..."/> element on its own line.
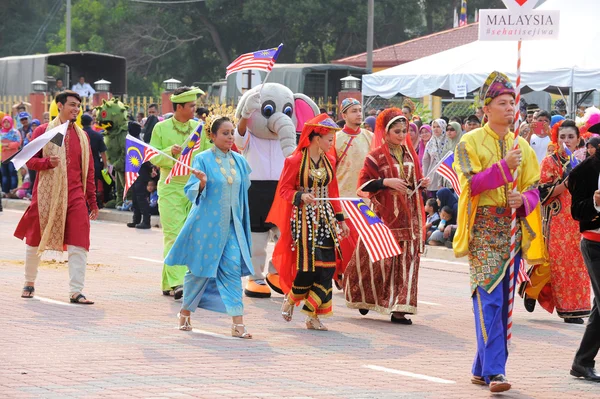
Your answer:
<point x="112" y="117"/>
<point x="173" y="204"/>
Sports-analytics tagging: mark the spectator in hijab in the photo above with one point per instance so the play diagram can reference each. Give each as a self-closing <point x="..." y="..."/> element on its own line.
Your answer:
<point x="369" y="123"/>
<point x="592" y="146"/>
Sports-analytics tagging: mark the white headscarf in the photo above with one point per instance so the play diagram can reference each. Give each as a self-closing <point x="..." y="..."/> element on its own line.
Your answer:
<point x="435" y="146"/>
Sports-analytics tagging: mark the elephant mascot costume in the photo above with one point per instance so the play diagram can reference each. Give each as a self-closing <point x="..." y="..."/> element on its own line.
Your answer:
<point x="270" y="118"/>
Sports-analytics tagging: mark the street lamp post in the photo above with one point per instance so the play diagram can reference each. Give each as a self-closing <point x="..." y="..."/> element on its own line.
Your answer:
<point x="370" y="22"/>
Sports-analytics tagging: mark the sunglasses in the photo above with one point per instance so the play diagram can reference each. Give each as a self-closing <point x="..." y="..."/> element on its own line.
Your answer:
<point x="450" y="129"/>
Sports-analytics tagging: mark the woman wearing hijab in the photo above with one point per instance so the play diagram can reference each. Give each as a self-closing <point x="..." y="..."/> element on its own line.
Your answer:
<point x="453" y="136"/>
<point x="369" y="123"/>
<point x="11" y="142"/>
<point x="425" y="134"/>
<point x="413" y="130"/>
<point x="434" y="151"/>
<point x="592" y="146"/>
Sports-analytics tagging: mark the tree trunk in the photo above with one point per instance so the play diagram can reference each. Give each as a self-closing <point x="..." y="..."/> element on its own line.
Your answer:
<point x="214" y="33"/>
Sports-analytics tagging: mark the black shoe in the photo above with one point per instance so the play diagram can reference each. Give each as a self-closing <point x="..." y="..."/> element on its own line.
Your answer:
<point x="499" y="383"/>
<point x="177" y="292"/>
<point x="401" y="320"/>
<point x="529" y="303"/>
<point x="575" y="320"/>
<point x="167" y="293"/>
<point x="587" y="373"/>
<point x="143" y="226"/>
<point x="363" y="311"/>
<point x="132" y="225"/>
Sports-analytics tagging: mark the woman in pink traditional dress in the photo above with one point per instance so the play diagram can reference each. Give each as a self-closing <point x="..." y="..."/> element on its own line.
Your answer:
<point x="390" y="174"/>
<point x="566" y="285"/>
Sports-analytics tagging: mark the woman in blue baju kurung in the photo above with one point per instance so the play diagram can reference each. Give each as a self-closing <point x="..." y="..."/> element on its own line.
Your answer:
<point x="214" y="243"/>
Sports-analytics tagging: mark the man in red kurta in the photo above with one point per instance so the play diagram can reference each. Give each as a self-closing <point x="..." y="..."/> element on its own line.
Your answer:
<point x="58" y="215"/>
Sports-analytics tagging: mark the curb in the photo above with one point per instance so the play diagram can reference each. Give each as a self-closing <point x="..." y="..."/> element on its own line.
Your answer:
<point x="112" y="215"/>
<point x="107" y="215"/>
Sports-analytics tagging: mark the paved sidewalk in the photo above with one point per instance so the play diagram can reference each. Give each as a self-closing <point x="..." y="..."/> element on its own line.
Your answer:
<point x="127" y="344"/>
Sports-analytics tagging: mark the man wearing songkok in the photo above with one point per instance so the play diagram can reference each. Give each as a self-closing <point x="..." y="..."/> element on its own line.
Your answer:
<point x="485" y="162"/>
<point x="64" y="190"/>
<point x="173" y="206"/>
<point x="584" y="187"/>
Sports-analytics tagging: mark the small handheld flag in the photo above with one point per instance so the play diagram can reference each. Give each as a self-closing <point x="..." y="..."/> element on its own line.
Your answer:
<point x="572" y="159"/>
<point x="375" y="235"/>
<point x="448" y="172"/>
<point x="191" y="145"/>
<point x="135" y="156"/>
<point x="262" y="60"/>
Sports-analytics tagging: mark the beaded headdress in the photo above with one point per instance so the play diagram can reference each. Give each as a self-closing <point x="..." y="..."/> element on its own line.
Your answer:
<point x="217" y="112"/>
<point x="408" y="103"/>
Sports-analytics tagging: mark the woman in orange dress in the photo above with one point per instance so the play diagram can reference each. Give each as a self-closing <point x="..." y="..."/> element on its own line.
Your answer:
<point x="308" y="251"/>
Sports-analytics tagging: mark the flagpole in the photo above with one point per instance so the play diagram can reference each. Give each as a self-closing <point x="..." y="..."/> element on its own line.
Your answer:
<point x="431" y="172"/>
<point x="339" y="199"/>
<point x="268" y="73"/>
<point x="513" y="211"/>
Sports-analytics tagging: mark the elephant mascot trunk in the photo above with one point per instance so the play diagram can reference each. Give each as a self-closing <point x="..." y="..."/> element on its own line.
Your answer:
<point x="273" y="116"/>
<point x="285" y="129"/>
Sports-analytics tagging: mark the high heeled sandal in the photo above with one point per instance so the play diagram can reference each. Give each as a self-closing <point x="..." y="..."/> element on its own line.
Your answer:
<point x="186" y="325"/>
<point x="313" y="323"/>
<point x="237" y="334"/>
<point x="287" y="309"/>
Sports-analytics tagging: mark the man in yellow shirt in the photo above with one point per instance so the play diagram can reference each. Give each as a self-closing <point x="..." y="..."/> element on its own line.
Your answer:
<point x="485" y="162"/>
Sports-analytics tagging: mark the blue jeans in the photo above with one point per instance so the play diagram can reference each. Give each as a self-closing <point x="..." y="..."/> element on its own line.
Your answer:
<point x="10" y="179"/>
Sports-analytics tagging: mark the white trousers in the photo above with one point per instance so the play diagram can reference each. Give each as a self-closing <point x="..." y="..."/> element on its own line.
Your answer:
<point x="77" y="264"/>
<point x="259" y="252"/>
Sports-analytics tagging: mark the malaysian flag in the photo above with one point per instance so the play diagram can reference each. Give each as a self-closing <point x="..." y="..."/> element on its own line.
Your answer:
<point x="262" y="60"/>
<point x="445" y="169"/>
<point x="463" y="13"/>
<point x="376" y="236"/>
<point x="136" y="155"/>
<point x="191" y="144"/>
<point x="572" y="159"/>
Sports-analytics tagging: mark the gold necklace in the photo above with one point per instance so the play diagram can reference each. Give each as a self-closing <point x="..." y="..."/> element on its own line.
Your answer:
<point x="398" y="153"/>
<point x="223" y="170"/>
<point x="187" y="127"/>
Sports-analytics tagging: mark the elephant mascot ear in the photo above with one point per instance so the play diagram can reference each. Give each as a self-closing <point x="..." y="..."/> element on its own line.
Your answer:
<point x="304" y="110"/>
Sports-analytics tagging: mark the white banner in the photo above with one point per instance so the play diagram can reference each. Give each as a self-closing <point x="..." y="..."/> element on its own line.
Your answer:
<point x="20" y="158"/>
<point x="506" y="25"/>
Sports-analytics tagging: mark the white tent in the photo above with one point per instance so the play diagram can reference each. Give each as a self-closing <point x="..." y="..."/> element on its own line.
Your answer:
<point x="572" y="61"/>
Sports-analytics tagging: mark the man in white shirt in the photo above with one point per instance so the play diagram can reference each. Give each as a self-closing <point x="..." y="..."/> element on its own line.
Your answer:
<point x="541" y="138"/>
<point x="266" y="158"/>
<point x="83" y="89"/>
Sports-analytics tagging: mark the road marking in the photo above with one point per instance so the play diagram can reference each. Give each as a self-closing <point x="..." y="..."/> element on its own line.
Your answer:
<point x="445" y="261"/>
<point x="409" y="374"/>
<point x="429" y="303"/>
<point x="53" y="301"/>
<point x="212" y="334"/>
<point x="146" y="259"/>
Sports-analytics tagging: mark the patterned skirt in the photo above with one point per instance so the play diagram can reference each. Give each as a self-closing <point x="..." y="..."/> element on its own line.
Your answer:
<point x="489" y="248"/>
